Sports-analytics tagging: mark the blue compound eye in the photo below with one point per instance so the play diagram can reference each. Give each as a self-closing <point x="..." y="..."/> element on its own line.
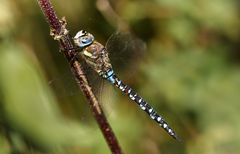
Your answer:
<point x="85" y="42"/>
<point x="83" y="39"/>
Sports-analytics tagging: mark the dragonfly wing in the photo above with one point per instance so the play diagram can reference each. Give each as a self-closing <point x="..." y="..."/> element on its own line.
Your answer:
<point x="125" y="51"/>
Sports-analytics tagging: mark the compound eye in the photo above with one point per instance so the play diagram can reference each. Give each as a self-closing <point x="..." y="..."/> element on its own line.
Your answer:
<point x="86" y="40"/>
<point x="83" y="38"/>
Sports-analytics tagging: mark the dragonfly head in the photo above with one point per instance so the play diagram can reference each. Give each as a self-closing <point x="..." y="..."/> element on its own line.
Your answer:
<point x="83" y="39"/>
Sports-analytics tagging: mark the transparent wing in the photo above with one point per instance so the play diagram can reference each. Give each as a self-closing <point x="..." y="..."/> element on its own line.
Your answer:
<point x="66" y="85"/>
<point x="125" y="51"/>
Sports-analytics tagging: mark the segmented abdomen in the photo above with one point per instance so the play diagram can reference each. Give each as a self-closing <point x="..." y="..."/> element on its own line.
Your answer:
<point x="110" y="76"/>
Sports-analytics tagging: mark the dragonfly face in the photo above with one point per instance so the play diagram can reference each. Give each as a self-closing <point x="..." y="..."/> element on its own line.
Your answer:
<point x="93" y="52"/>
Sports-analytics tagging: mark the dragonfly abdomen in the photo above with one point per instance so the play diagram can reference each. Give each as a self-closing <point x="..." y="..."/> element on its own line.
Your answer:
<point x="110" y="76"/>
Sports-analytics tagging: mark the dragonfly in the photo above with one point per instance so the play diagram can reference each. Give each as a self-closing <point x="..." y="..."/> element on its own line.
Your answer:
<point x="97" y="57"/>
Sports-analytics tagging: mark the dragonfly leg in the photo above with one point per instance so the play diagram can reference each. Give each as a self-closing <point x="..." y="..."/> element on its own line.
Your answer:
<point x="75" y="54"/>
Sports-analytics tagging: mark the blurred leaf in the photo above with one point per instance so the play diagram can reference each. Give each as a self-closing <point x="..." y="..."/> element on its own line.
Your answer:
<point x="30" y="106"/>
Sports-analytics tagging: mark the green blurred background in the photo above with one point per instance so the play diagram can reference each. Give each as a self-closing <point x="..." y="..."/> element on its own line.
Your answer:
<point x="189" y="72"/>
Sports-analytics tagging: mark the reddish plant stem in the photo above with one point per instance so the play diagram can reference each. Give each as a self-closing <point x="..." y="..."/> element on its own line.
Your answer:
<point x="58" y="26"/>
